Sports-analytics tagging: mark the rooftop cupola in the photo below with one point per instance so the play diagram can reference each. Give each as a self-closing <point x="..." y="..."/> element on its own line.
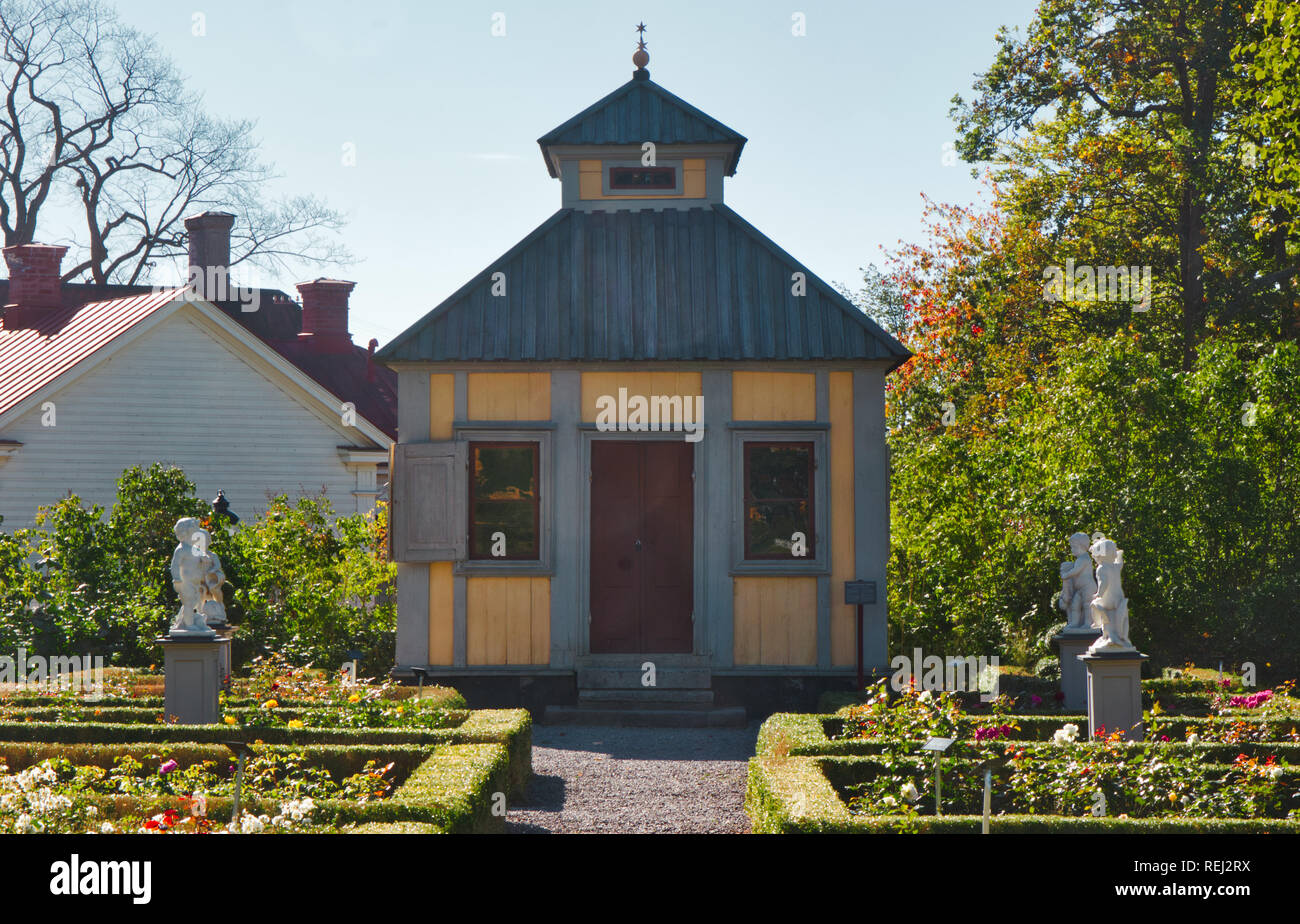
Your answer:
<point x="641" y="147"/>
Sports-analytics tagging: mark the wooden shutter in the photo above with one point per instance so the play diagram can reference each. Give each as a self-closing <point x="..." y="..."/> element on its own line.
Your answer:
<point x="430" y="483"/>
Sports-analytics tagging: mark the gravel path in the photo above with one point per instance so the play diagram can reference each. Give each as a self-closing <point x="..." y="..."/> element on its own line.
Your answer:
<point x="592" y="779"/>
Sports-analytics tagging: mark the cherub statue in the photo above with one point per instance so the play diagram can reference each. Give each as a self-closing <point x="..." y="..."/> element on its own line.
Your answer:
<point x="1078" y="586"/>
<point x="214" y="604"/>
<point x="190" y="569"/>
<point x="1110" y="606"/>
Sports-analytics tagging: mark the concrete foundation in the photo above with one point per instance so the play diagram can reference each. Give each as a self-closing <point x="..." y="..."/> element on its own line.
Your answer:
<point x="1074" y="676"/>
<point x="1115" y="694"/>
<point x="193" y="678"/>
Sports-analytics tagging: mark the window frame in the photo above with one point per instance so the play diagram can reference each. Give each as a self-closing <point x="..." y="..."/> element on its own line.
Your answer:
<point x="818" y="562"/>
<point x="608" y="167"/>
<point x="748" y="501"/>
<point x="542" y="439"/>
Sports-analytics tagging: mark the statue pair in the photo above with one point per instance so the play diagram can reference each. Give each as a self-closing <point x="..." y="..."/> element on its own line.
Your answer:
<point x="1096" y="600"/>
<point x="197" y="577"/>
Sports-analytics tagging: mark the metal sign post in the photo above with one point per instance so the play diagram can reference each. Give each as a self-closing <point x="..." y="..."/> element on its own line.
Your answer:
<point x="859" y="594"/>
<point x="938" y="745"/>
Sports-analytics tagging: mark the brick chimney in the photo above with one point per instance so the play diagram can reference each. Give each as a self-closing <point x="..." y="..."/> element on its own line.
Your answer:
<point x="325" y="315"/>
<point x="209" y="244"/>
<point x="34" y="285"/>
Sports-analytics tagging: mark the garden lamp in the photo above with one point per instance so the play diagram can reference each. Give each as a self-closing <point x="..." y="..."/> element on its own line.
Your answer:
<point x="420" y="673"/>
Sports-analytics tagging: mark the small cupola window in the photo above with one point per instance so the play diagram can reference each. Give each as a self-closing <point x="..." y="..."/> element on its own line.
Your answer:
<point x="630" y="178"/>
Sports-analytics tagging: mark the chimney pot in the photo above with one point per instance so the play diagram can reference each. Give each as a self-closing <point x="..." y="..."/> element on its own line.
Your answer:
<point x="209" y="244"/>
<point x="34" y="276"/>
<point x="325" y="315"/>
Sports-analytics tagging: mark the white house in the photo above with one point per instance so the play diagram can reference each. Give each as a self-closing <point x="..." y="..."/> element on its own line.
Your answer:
<point x="89" y="388"/>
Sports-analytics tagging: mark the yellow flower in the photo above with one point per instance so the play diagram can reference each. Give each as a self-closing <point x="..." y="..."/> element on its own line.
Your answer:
<point x="231" y="720"/>
<point x="270" y="704"/>
<point x="295" y="723"/>
<point x="354" y="698"/>
<point x="401" y="709"/>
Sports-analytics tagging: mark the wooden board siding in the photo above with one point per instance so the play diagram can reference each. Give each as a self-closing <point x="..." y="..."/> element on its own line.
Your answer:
<point x="591" y="185"/>
<point x="773" y="396"/>
<point x="176" y="395"/>
<point x="509" y="395"/>
<point x="774" y="620"/>
<point x="843" y="560"/>
<point x="507" y="620"/>
<point x="595" y="384"/>
<point x="442" y="406"/>
<point x="441" y="613"/>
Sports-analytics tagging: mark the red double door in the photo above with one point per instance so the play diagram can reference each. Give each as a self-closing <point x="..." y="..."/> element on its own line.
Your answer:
<point x="642" y="508"/>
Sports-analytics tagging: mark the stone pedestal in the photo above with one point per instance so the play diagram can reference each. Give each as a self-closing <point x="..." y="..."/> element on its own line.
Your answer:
<point x="224" y="634"/>
<point x="192" y="678"/>
<point x="1074" y="677"/>
<point x="1115" y="693"/>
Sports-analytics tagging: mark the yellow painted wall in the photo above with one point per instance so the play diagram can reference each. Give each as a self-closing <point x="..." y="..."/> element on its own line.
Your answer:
<point x="774" y="620"/>
<point x="508" y="620"/>
<point x="441" y="613"/>
<point x="843" y="558"/>
<point x="591" y="185"/>
<point x="442" y="405"/>
<point x="595" y="384"/>
<point x="509" y="396"/>
<point x="773" y="396"/>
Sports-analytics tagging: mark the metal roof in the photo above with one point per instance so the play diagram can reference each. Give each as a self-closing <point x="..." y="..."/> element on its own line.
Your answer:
<point x="672" y="284"/>
<point x="640" y="111"/>
<point x="39" y="349"/>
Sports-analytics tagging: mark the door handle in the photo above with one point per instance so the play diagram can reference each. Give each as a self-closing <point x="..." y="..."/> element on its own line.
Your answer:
<point x="638" y="545"/>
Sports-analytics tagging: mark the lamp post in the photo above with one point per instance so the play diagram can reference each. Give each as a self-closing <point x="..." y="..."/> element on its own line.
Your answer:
<point x="420" y="673"/>
<point x="240" y="750"/>
<point x="221" y="508"/>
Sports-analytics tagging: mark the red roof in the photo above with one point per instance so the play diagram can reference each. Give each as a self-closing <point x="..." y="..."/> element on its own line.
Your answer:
<point x="37" y="349"/>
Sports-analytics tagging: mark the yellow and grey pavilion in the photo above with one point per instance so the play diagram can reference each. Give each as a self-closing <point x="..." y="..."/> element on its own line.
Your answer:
<point x="644" y="446"/>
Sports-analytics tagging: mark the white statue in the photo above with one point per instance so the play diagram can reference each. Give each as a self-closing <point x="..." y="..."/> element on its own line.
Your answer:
<point x="1109" y="606"/>
<point x="1078" y="586"/>
<point x="214" y="604"/>
<point x="191" y="569"/>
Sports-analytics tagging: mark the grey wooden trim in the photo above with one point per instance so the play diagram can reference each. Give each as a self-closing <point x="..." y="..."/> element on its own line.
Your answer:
<point x="412" y="614"/>
<point x="460" y="424"/>
<point x="713" y="470"/>
<point x="459" y="634"/>
<point x="637" y="434"/>
<point x="413" y="406"/>
<point x="460" y="397"/>
<point x="543" y="564"/>
<point x="871" y="500"/>
<point x="824" y="621"/>
<point x="567" y="611"/>
<point x="820" y="562"/>
<point x="823" y="402"/>
<point x="778" y="425"/>
<point x="637" y="365"/>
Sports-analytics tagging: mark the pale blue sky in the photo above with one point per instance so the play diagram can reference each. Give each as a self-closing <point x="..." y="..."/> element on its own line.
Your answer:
<point x="846" y="125"/>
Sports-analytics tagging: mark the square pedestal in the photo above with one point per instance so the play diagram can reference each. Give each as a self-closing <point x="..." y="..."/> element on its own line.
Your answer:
<point x="192" y="679"/>
<point x="1074" y="676"/>
<point x="1115" y="694"/>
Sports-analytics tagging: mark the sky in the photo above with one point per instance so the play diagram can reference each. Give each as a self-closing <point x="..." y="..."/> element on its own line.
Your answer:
<point x="847" y="123"/>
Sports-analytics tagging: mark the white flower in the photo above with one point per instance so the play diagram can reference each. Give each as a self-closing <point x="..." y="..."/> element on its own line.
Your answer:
<point x="889" y="802"/>
<point x="925" y="696"/>
<point x="1275" y="773"/>
<point x="24" y="824"/>
<point x="92" y="811"/>
<point x="909" y="792"/>
<point x="1193" y="738"/>
<point x="1067" y="734"/>
<point x="106" y="828"/>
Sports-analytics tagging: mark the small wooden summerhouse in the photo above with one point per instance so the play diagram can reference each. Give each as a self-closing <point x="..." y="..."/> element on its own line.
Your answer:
<point x="645" y="448"/>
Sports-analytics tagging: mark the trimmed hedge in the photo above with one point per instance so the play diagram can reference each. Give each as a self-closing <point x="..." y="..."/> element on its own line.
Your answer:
<point x="791" y="795"/>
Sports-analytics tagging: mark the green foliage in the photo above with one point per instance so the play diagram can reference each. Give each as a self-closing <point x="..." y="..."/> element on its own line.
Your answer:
<point x="302" y="582"/>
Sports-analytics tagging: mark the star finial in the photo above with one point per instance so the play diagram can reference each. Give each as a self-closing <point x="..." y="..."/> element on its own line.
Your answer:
<point x="642" y="57"/>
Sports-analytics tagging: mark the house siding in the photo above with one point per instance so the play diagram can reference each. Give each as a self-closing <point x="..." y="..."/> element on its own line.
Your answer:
<point x="178" y="394"/>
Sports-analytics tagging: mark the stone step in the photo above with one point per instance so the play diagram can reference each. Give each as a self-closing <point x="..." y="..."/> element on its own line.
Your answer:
<point x="629" y="678"/>
<point x="646" y="717"/>
<point x="648" y="696"/>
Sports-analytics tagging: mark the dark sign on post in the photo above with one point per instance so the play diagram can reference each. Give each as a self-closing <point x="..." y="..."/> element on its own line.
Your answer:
<point x="860" y="593"/>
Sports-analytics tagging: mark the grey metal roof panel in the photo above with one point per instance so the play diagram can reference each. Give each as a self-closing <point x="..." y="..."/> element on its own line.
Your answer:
<point x="648" y="285"/>
<point x="640" y="111"/>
